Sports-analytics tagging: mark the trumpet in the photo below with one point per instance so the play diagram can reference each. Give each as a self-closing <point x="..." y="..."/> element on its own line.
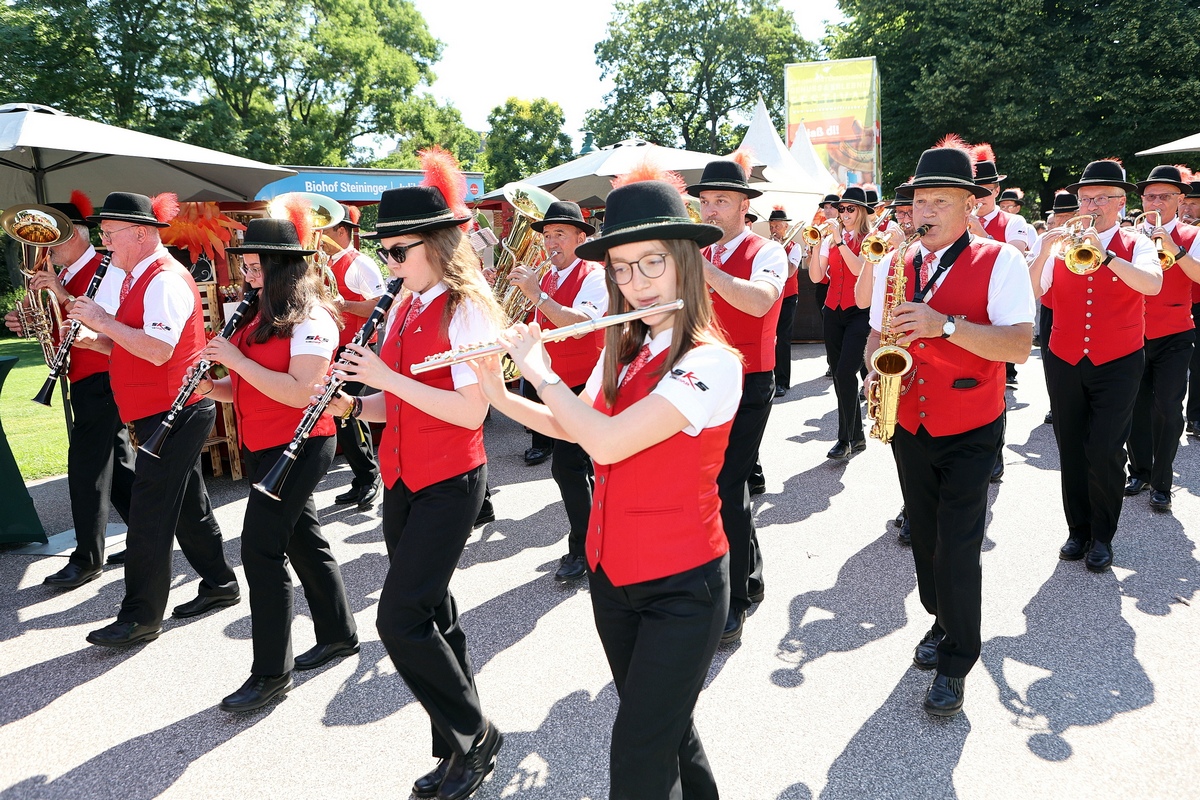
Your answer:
<point x="791" y="233"/>
<point x="465" y="354"/>
<point x="878" y="243"/>
<point x="1080" y="256"/>
<point x="38" y="228"/>
<point x="813" y="234"/>
<point x="1166" y="259"/>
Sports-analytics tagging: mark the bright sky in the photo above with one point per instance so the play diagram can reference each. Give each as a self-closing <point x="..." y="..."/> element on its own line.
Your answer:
<point x="496" y="49"/>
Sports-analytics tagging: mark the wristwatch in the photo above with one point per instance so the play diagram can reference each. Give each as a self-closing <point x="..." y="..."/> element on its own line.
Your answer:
<point x="1109" y="255"/>
<point x="542" y="297"/>
<point x="550" y="380"/>
<point x="948" y="327"/>
<point x="1182" y="252"/>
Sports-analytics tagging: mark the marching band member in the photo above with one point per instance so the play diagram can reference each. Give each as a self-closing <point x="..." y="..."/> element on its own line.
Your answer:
<point x="275" y="356"/>
<point x="778" y="222"/>
<point x="432" y="461"/>
<point x="745" y="275"/>
<point x="898" y="230"/>
<point x="969" y="309"/>
<point x="1096" y="358"/>
<point x="1170" y="340"/>
<point x="1066" y="205"/>
<point x="655" y="416"/>
<point x="1011" y="201"/>
<point x="152" y="341"/>
<point x="828" y="213"/>
<point x="1189" y="212"/>
<point x="99" y="455"/>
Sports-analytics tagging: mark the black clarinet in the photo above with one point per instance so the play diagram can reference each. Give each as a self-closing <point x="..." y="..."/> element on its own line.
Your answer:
<point x="59" y="363"/>
<point x="152" y="445"/>
<point x="273" y="482"/>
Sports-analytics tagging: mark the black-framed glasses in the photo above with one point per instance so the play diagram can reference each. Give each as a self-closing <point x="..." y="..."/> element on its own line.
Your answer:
<point x="398" y="252"/>
<point x="652" y="266"/>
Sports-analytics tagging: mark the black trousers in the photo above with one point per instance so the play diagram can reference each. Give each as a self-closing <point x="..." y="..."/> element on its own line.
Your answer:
<point x="99" y="467"/>
<point x="1045" y="327"/>
<point x="572" y="471"/>
<point x="1158" y="411"/>
<point x="660" y="637"/>
<point x="745" y="558"/>
<point x="425" y="532"/>
<point x="278" y="531"/>
<point x="822" y="293"/>
<point x="846" y="331"/>
<point x="783" y="341"/>
<point x="169" y="501"/>
<point x="1193" y="397"/>
<point x="354" y="437"/>
<point x="944" y="480"/>
<point x="1093" y="412"/>
<point x="539" y="440"/>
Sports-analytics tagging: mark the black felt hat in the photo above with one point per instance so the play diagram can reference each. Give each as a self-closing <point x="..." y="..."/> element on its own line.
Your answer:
<point x="944" y="168"/>
<point x="645" y="210"/>
<point x="1103" y="173"/>
<point x="128" y="207"/>
<point x="779" y="215"/>
<point x="1165" y="173"/>
<point x="564" y="212"/>
<point x="1064" y="202"/>
<point x="74" y="214"/>
<point x="829" y="198"/>
<point x="723" y="176"/>
<point x="857" y="196"/>
<point x="271" y="236"/>
<point x="872" y="197"/>
<point x="986" y="172"/>
<point x="413" y="209"/>
<point x="1194" y="191"/>
<point x="1013" y="195"/>
<point x="751" y="217"/>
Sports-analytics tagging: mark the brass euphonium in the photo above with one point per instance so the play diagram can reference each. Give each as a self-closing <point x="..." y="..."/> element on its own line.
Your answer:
<point x="878" y="243"/>
<point x="326" y="214"/>
<point x="38" y="228"/>
<point x="1081" y="256"/>
<point x="1166" y="259"/>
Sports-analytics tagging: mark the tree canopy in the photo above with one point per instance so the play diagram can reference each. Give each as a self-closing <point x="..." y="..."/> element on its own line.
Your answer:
<point x="525" y="137"/>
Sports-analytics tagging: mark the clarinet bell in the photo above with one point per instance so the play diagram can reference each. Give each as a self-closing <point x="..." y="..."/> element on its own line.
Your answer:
<point x="47" y="393"/>
<point x="273" y="482"/>
<point x="153" y="445"/>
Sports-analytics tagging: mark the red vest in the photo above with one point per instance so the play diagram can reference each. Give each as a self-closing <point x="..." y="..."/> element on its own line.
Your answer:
<point x="791" y="284"/>
<point x="998" y="227"/>
<point x="657" y="513"/>
<point x="353" y="322"/>
<point x="139" y="387"/>
<point x="573" y="359"/>
<point x="753" y="337"/>
<point x="841" y="279"/>
<point x="264" y="423"/>
<point x="1098" y="316"/>
<point x="416" y="447"/>
<point x="1170" y="311"/>
<point x="930" y="398"/>
<point x="84" y="363"/>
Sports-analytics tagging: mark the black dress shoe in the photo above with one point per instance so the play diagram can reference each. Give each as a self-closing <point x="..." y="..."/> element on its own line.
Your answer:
<point x="536" y="455"/>
<point x="904" y="537"/>
<point x="733" y="627"/>
<point x="925" y="656"/>
<point x="486" y="514"/>
<point x="945" y="696"/>
<point x="427" y="785"/>
<point x="1135" y="486"/>
<point x="780" y="391"/>
<point x="1193" y="427"/>
<point x="1099" y="558"/>
<point x="997" y="470"/>
<point x="366" y="497"/>
<point x="757" y="488"/>
<point x="204" y="603"/>
<point x="570" y="568"/>
<point x="466" y="772"/>
<point x="72" y="576"/>
<point x="858" y="447"/>
<point x="351" y="495"/>
<point x="1049" y="419"/>
<point x="324" y="653"/>
<point x="116" y="558"/>
<point x="1074" y="549"/>
<point x="1159" y="501"/>
<point x="257" y="692"/>
<point x="123" y="634"/>
<point x="757" y="592"/>
<point x="829" y="372"/>
<point x="839" y="450"/>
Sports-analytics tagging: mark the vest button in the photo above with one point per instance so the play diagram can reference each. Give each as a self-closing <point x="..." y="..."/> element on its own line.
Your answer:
<point x="1089" y="281"/>
<point x="1086" y="351"/>
<point x="1087" y="327"/>
<point x="1088" y="314"/>
<point x="1089" y="302"/>
<point x="921" y="381"/>
<point x="602" y="479"/>
<point x="922" y="398"/>
<point x="1087" y="338"/>
<point x="1089" y="291"/>
<point x="922" y="415"/>
<point x="921" y="346"/>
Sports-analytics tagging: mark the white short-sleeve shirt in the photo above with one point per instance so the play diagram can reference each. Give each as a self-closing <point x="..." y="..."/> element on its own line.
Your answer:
<point x="362" y="276"/>
<point x="169" y="302"/>
<point x="108" y="295"/>
<point x="770" y="262"/>
<point x="315" y="336"/>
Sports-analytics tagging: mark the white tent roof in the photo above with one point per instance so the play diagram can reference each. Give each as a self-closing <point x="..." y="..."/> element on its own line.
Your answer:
<point x="1187" y="144"/>
<point x="789" y="183"/>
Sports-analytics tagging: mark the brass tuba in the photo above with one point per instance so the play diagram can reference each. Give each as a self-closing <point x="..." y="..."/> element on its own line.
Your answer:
<point x="1080" y="256"/>
<point x="326" y="214"/>
<point x="38" y="228"/>
<point x="1166" y="259"/>
<point x="523" y="245"/>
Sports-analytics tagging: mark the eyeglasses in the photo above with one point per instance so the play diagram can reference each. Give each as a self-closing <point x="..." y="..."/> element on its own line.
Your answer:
<point x="1101" y="201"/>
<point x="248" y="271"/>
<point x="106" y="236"/>
<point x="398" y="252"/>
<point x="846" y="209"/>
<point x="652" y="266"/>
<point x="1158" y="198"/>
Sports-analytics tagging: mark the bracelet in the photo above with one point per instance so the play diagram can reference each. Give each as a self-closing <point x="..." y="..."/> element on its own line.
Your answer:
<point x="206" y="394"/>
<point x="354" y="409"/>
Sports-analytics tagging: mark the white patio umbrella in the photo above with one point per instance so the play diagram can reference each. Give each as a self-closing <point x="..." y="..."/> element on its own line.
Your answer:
<point x="1188" y="144"/>
<point x="44" y="154"/>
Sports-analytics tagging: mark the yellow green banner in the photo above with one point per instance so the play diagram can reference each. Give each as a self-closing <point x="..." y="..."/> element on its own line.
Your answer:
<point x="838" y="104"/>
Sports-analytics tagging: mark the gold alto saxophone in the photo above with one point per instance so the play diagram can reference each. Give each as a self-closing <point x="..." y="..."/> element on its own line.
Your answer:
<point x="890" y="361"/>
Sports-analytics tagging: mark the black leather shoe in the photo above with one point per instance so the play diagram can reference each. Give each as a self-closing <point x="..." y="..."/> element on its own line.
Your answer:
<point x="904" y="537"/>
<point x="858" y="447"/>
<point x="925" y="656"/>
<point x="1159" y="501"/>
<point x="570" y="568"/>
<point x="780" y="391"/>
<point x="535" y="456"/>
<point x="945" y="696"/>
<point x="257" y="692"/>
<point x="72" y="576"/>
<point x="1193" y="427"/>
<point x="204" y="603"/>
<point x="366" y="498"/>
<point x="829" y="372"/>
<point x="123" y="634"/>
<point x="486" y="514"/>
<point x="1074" y="549"/>
<point x="757" y="592"/>
<point x="997" y="470"/>
<point x="116" y="558"/>
<point x="324" y="653"/>
<point x="349" y="496"/>
<point x="1135" y="486"/>
<point x="757" y="488"/>
<point x="466" y="772"/>
<point x="1099" y="558"/>
<point x="733" y="627"/>
<point x="839" y="450"/>
<point x="1049" y="418"/>
<point x="427" y="785"/>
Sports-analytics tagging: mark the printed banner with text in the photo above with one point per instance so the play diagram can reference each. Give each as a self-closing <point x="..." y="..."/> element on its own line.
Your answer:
<point x="838" y="103"/>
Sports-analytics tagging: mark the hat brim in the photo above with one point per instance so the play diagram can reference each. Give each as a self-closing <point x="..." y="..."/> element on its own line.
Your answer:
<point x="935" y="183"/>
<point x="720" y="186"/>
<point x="990" y="179"/>
<point x="400" y="228"/>
<point x="1129" y="187"/>
<point x="98" y="218"/>
<point x="1180" y="185"/>
<point x="702" y="235"/>
<point x="583" y="226"/>
<point x="269" y="248"/>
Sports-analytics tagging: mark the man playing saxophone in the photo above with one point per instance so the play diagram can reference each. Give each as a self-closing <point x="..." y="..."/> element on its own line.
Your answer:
<point x="969" y="310"/>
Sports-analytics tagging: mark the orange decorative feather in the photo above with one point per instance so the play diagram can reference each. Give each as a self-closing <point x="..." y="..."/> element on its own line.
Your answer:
<point x="201" y="229"/>
<point x="165" y="206"/>
<point x="1185" y="173"/>
<point x="647" y="169"/>
<point x="955" y="141"/>
<point x="778" y="208"/>
<point x="1116" y="161"/>
<point x="82" y="202"/>
<point x="743" y="159"/>
<point x="353" y="213"/>
<point x="442" y="172"/>
<point x="299" y="212"/>
<point x="983" y="152"/>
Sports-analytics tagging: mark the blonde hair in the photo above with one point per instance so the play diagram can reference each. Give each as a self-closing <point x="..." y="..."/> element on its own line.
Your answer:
<point x="865" y="222"/>
<point x="455" y="260"/>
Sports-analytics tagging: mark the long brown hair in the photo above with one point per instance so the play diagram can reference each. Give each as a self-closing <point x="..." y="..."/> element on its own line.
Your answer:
<point x="291" y="287"/>
<point x="455" y="259"/>
<point x="694" y="323"/>
<point x="864" y="223"/>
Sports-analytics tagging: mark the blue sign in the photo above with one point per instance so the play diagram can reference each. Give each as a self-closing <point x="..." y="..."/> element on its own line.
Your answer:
<point x="349" y="185"/>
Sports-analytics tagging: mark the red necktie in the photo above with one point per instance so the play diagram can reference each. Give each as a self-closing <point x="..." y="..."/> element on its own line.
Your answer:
<point x="718" y="258"/>
<point x="552" y="285"/>
<point x="636" y="365"/>
<point x="414" y="309"/>
<point x="926" y="263"/>
<point x="126" y="286"/>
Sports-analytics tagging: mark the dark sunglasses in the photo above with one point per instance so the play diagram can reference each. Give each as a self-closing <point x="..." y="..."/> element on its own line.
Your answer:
<point x="844" y="209"/>
<point x="398" y="252"/>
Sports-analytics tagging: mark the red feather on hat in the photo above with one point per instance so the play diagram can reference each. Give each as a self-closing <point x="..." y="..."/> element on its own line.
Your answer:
<point x="955" y="141"/>
<point x="983" y="152"/>
<point x="353" y="213"/>
<point x="442" y="172"/>
<point x="1018" y="192"/>
<point x="165" y="206"/>
<point x="299" y="213"/>
<point x="743" y="159"/>
<point x="870" y="187"/>
<point x="82" y="202"/>
<point x="779" y="208"/>
<point x="1116" y="161"/>
<point x="647" y="169"/>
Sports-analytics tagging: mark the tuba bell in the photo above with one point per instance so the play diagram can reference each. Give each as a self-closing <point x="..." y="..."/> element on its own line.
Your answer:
<point x="1081" y="256"/>
<point x="38" y="228"/>
<point x="326" y="213"/>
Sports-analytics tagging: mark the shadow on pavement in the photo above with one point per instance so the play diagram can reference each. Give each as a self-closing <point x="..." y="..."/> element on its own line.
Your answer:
<point x="1164" y="566"/>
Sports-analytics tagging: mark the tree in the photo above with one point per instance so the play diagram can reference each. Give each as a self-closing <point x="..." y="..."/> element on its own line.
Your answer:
<point x="525" y="137"/>
<point x="425" y="123"/>
<point x="682" y="68"/>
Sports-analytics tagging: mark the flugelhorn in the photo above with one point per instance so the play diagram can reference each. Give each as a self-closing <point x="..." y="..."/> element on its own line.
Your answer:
<point x="473" y="352"/>
<point x="38" y="228"/>
<point x="877" y="244"/>
<point x="813" y="234"/>
<point x="1166" y="259"/>
<point x="1081" y="256"/>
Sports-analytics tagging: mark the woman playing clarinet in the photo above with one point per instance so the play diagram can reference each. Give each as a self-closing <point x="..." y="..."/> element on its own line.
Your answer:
<point x="431" y="461"/>
<point x="284" y="346"/>
<point x="655" y="418"/>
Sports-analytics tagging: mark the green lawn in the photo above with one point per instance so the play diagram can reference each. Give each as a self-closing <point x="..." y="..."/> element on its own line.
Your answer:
<point x="37" y="435"/>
